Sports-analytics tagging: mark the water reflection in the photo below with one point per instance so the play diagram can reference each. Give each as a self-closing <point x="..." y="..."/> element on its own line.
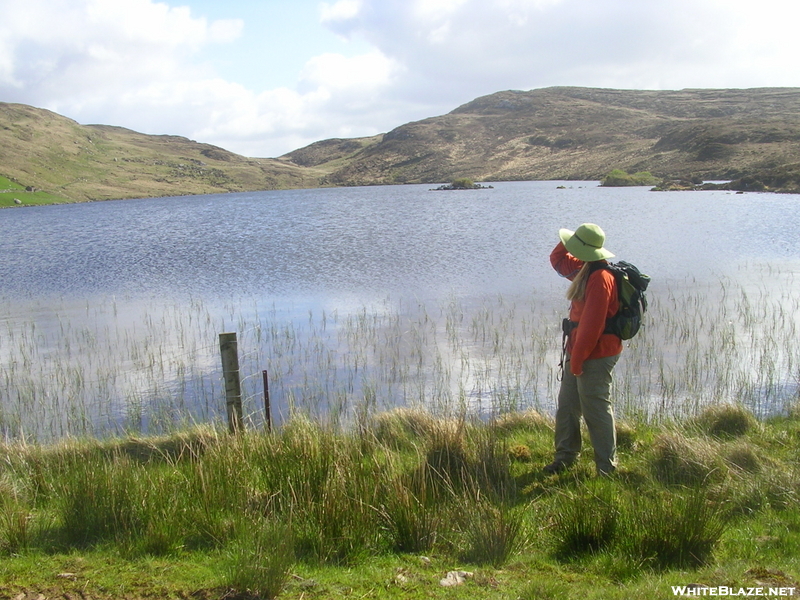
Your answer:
<point x="362" y="299"/>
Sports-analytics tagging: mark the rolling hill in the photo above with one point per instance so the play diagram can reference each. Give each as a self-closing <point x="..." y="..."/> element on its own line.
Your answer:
<point x="579" y="133"/>
<point x="551" y="133"/>
<point x="45" y="151"/>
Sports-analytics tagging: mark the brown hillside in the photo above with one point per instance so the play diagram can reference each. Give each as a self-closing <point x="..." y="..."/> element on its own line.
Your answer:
<point x="582" y="133"/>
<point x="553" y="133"/>
<point x="41" y="149"/>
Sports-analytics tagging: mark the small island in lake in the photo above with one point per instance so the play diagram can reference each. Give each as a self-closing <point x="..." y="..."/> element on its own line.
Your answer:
<point x="620" y="178"/>
<point x="463" y="183"/>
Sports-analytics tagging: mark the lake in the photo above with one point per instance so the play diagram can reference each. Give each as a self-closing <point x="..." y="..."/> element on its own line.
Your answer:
<point x="362" y="299"/>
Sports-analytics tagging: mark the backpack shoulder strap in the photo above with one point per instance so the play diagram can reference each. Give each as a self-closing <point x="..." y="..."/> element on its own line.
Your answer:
<point x="600" y="265"/>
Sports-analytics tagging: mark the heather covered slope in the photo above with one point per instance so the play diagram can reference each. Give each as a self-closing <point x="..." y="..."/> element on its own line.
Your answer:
<point x="583" y="133"/>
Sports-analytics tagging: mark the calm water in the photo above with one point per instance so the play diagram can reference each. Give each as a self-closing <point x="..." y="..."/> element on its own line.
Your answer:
<point x="362" y="298"/>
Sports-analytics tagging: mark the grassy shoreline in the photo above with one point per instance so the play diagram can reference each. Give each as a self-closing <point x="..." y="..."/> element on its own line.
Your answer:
<point x="388" y="508"/>
<point x="12" y="194"/>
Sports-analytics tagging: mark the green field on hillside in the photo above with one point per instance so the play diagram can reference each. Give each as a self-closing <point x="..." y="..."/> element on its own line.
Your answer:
<point x="14" y="194"/>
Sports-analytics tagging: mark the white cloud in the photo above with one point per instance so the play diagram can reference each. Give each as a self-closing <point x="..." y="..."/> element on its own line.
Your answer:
<point x="60" y="52"/>
<point x="132" y="63"/>
<point x="337" y="97"/>
<point x="435" y="10"/>
<point x="339" y="11"/>
<point x="537" y="42"/>
<point x="140" y="63"/>
<point x="360" y="74"/>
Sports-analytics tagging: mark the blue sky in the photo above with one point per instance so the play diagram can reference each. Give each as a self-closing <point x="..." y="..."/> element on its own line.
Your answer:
<point x="262" y="78"/>
<point x="276" y="41"/>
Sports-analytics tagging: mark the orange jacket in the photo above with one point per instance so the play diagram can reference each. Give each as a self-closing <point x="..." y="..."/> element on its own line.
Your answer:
<point x="600" y="302"/>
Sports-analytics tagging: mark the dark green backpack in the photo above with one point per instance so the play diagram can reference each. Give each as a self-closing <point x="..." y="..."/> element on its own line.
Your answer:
<point x="631" y="285"/>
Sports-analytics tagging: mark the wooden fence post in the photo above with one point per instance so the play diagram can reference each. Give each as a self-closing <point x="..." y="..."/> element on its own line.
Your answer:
<point x="229" y="350"/>
<point x="267" y="409"/>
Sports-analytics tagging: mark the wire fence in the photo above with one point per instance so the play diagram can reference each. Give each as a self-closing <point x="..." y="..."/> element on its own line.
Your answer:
<point x="114" y="370"/>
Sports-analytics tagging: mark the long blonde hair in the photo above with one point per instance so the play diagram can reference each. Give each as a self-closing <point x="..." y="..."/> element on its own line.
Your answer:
<point x="577" y="290"/>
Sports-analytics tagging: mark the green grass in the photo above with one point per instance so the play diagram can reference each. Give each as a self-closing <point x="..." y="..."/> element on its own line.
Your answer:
<point x="77" y="163"/>
<point x="261" y="559"/>
<point x="620" y="178"/>
<point x="386" y="510"/>
<point x="11" y="191"/>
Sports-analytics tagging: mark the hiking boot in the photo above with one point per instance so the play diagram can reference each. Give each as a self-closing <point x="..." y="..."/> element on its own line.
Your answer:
<point x="555" y="467"/>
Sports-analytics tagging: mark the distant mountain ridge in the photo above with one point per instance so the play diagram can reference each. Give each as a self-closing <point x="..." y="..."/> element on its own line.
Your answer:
<point x="550" y="133"/>
<point x="582" y="133"/>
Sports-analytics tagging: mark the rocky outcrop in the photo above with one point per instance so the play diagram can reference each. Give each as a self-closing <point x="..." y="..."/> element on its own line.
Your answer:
<point x="785" y="179"/>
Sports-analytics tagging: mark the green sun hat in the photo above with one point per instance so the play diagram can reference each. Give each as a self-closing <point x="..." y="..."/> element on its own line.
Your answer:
<point x="586" y="242"/>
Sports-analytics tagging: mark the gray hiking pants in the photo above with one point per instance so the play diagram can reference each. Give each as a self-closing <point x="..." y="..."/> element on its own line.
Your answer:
<point x="587" y="396"/>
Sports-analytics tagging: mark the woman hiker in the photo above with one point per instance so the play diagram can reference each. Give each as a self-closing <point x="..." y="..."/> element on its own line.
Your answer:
<point x="590" y="353"/>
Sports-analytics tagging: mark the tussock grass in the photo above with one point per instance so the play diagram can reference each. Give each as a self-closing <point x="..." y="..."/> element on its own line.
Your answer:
<point x="446" y="460"/>
<point x="101" y="500"/>
<point x="626" y="435"/>
<point x="679" y="460"/>
<point x="492" y="472"/>
<point x="277" y="509"/>
<point x="585" y="521"/>
<point x="673" y="530"/>
<point x="15" y="525"/>
<point x="744" y="458"/>
<point x="657" y="529"/>
<point x="402" y="427"/>
<point x="726" y="421"/>
<point x="527" y="420"/>
<point x="260" y="559"/>
<point x="412" y="520"/>
<point x="492" y="532"/>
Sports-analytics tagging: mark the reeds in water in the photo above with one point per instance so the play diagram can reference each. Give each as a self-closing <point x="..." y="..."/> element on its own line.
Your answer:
<point x="116" y="367"/>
